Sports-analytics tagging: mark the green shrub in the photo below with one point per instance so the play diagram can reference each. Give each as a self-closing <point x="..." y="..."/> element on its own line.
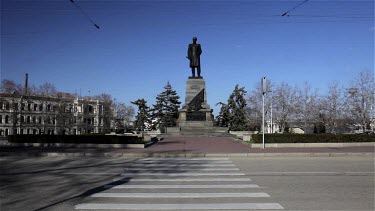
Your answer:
<point x="313" y="138"/>
<point x="78" y="139"/>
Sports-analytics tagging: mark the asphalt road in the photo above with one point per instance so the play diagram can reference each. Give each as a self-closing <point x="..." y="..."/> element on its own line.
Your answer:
<point x="58" y="183"/>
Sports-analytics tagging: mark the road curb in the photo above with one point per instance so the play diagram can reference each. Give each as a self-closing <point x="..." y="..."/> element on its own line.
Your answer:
<point x="190" y="155"/>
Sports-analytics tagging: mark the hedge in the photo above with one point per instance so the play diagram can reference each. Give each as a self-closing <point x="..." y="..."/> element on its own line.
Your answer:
<point x="313" y="138"/>
<point x="78" y="139"/>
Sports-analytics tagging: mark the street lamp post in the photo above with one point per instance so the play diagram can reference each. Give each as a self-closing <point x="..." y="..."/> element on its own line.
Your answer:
<point x="264" y="91"/>
<point x="271" y="112"/>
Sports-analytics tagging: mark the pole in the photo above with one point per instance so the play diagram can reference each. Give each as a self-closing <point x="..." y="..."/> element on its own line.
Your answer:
<point x="271" y="114"/>
<point x="263" y="120"/>
<point x="264" y="91"/>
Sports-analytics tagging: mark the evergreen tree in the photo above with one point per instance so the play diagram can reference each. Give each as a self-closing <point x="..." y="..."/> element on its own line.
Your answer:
<point x="222" y="120"/>
<point x="165" y="111"/>
<point x="236" y="109"/>
<point x="142" y="120"/>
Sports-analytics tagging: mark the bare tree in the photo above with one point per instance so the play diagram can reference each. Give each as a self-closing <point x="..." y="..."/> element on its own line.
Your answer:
<point x="123" y="115"/>
<point x="306" y="107"/>
<point x="9" y="86"/>
<point x="332" y="107"/>
<point x="254" y="103"/>
<point x="47" y="89"/>
<point x="360" y="99"/>
<point x="285" y="100"/>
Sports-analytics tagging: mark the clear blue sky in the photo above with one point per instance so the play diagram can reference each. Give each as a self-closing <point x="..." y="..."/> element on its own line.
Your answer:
<point x="142" y="44"/>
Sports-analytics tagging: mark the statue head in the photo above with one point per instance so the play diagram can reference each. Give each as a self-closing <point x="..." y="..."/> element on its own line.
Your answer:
<point x="194" y="39"/>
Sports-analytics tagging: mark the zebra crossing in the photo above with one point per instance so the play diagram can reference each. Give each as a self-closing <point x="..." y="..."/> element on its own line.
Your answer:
<point x="181" y="184"/>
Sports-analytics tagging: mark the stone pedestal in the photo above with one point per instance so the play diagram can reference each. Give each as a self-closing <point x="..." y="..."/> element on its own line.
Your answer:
<point x="195" y="120"/>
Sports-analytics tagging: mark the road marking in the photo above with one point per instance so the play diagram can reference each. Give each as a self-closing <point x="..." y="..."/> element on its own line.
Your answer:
<point x="184" y="159"/>
<point x="181" y="165"/>
<point x="229" y="206"/>
<point x="186" y="162"/>
<point x="181" y="195"/>
<point x="91" y="173"/>
<point x="182" y="174"/>
<point x="179" y="186"/>
<point x="307" y="173"/>
<point x="182" y="169"/>
<point x="185" y="180"/>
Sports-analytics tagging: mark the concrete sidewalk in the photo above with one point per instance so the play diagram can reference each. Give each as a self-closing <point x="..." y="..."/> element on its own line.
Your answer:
<point x="192" y="147"/>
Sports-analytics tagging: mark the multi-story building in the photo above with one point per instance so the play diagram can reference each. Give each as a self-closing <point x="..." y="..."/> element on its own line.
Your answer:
<point x="31" y="114"/>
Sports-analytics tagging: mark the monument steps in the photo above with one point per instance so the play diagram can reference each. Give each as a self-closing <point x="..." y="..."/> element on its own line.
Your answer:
<point x="202" y="132"/>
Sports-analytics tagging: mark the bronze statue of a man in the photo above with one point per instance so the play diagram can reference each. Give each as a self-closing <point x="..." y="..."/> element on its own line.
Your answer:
<point x="194" y="53"/>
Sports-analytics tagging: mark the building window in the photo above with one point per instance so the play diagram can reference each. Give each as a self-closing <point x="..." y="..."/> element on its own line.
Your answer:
<point x="29" y="106"/>
<point x="35" y="107"/>
<point x="90" y="109"/>
<point x="1" y="105"/>
<point x="40" y="119"/>
<point x="48" y="107"/>
<point x="1" y="119"/>
<point x="41" y="107"/>
<point x="6" y="132"/>
<point x="6" y="119"/>
<point x="22" y="119"/>
<point x="23" y="106"/>
<point x="28" y="119"/>
<point x="34" y="119"/>
<point x="7" y="106"/>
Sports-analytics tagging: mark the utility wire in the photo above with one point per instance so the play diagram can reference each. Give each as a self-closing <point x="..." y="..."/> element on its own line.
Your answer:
<point x="85" y="14"/>
<point x="332" y="16"/>
<point x="286" y="13"/>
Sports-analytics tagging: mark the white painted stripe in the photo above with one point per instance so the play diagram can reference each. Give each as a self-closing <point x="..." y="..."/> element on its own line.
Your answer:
<point x="185" y="180"/>
<point x="182" y="174"/>
<point x="204" y="159"/>
<point x="181" y="165"/>
<point x="182" y="169"/>
<point x="186" y="162"/>
<point x="307" y="173"/>
<point x="217" y="206"/>
<point x="180" y="186"/>
<point x="90" y="173"/>
<point x="180" y="195"/>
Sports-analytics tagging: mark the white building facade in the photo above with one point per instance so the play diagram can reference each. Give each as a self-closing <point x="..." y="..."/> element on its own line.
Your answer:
<point x="28" y="114"/>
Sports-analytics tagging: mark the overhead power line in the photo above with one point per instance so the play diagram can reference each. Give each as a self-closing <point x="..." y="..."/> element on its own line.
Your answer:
<point x="333" y="16"/>
<point x="286" y="13"/>
<point x="85" y="14"/>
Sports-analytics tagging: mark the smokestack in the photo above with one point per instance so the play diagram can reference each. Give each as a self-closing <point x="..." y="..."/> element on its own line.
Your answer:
<point x="26" y="80"/>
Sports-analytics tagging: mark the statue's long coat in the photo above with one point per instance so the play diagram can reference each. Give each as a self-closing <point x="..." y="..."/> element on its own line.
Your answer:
<point x="194" y="53"/>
